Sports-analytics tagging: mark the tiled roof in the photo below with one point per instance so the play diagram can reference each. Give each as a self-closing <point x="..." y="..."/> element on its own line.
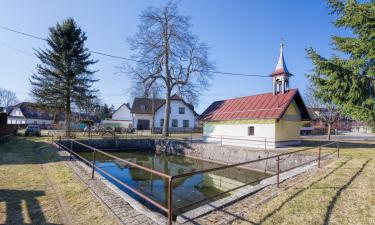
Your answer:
<point x="144" y="105"/>
<point x="262" y="106"/>
<point x="32" y="111"/>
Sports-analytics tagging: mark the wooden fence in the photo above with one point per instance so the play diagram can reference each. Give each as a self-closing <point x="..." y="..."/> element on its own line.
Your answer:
<point x="7" y="129"/>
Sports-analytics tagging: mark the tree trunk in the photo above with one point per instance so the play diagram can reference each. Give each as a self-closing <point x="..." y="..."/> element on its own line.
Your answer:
<point x="167" y="113"/>
<point x="329" y="132"/>
<point x="67" y="116"/>
<point x="168" y="82"/>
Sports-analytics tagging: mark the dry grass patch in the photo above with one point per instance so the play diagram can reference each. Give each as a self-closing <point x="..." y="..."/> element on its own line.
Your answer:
<point x="340" y="193"/>
<point x="38" y="188"/>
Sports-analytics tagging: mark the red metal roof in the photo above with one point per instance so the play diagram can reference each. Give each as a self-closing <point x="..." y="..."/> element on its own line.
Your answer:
<point x="262" y="106"/>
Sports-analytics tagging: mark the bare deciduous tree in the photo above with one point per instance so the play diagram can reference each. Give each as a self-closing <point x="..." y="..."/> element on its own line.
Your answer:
<point x="326" y="112"/>
<point x="7" y="98"/>
<point x="169" y="57"/>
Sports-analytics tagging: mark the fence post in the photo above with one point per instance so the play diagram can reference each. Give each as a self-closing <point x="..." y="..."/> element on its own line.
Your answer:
<point x="52" y="138"/>
<point x="93" y="164"/>
<point x="319" y="149"/>
<point x="278" y="172"/>
<point x="71" y="148"/>
<point x="191" y="136"/>
<point x="59" y="143"/>
<point x="265" y="144"/>
<point x="338" y="149"/>
<point x="170" y="206"/>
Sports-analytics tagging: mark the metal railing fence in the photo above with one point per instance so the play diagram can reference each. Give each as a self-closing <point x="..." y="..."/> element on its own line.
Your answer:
<point x="169" y="210"/>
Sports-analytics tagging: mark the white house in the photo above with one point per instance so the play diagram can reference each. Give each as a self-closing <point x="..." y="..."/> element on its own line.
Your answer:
<point x="270" y="119"/>
<point x="29" y="113"/>
<point x="182" y="114"/>
<point x="122" y="117"/>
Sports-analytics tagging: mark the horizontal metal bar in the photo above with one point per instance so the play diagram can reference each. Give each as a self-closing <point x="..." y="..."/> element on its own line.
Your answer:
<point x="216" y="195"/>
<point x="120" y="182"/>
<point x="244" y="163"/>
<point x="125" y="161"/>
<point x="221" y="193"/>
<point x="140" y="194"/>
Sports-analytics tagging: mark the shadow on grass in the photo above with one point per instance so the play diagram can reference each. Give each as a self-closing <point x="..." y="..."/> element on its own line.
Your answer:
<point x="332" y="204"/>
<point x="18" y="150"/>
<point x="15" y="200"/>
<point x="265" y="218"/>
<point x="343" y="144"/>
<point x="301" y="191"/>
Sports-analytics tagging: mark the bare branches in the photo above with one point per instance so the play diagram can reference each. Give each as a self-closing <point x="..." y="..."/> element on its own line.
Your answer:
<point x="168" y="55"/>
<point x="325" y="111"/>
<point x="7" y="98"/>
<point x="170" y="59"/>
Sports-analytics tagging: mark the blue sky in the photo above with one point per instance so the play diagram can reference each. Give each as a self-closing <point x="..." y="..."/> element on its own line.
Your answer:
<point x="243" y="35"/>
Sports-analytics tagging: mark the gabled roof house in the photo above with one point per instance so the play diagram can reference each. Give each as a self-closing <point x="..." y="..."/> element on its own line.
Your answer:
<point x="149" y="113"/>
<point x="29" y="113"/>
<point x="272" y="119"/>
<point x="122" y="117"/>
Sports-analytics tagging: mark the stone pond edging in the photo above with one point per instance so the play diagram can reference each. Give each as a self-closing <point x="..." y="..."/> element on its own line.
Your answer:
<point x="123" y="206"/>
<point x="231" y="154"/>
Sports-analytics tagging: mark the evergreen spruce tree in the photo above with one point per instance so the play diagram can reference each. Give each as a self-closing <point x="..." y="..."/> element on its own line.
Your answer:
<point x="63" y="77"/>
<point x="349" y="81"/>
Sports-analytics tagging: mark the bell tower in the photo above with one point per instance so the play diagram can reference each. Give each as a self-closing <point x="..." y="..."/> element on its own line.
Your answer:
<point x="280" y="76"/>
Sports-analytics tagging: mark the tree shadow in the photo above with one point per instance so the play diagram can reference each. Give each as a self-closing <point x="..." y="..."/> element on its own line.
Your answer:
<point x="300" y="192"/>
<point x="240" y="217"/>
<point x="332" y="203"/>
<point x="25" y="151"/>
<point x="344" y="144"/>
<point x="15" y="200"/>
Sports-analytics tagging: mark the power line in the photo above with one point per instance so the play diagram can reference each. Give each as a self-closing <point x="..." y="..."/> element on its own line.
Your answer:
<point x="129" y="59"/>
<point x="19" y="32"/>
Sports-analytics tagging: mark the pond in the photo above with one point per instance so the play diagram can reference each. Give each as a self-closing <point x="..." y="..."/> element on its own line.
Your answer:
<point x="185" y="190"/>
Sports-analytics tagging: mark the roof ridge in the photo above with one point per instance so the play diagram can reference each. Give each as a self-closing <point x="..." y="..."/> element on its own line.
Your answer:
<point x="267" y="93"/>
<point x="260" y="106"/>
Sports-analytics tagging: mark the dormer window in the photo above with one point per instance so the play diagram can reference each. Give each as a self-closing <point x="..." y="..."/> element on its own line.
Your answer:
<point x="143" y="107"/>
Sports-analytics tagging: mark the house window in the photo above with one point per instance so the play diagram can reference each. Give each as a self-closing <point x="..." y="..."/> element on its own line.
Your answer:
<point x="185" y="123"/>
<point x="181" y="110"/>
<point x="174" y="123"/>
<point x="161" y="122"/>
<point x="250" y="131"/>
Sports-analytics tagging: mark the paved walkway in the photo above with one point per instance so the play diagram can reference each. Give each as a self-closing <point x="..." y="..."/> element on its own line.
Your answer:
<point x="120" y="208"/>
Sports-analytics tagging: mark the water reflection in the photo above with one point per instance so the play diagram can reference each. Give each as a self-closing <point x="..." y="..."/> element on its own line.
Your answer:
<point x="185" y="190"/>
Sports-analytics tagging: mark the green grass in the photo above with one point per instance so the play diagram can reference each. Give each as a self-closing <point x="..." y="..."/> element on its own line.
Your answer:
<point x="37" y="188"/>
<point x="341" y="192"/>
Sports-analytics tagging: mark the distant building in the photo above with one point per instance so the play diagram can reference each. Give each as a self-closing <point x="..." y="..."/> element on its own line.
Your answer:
<point x="149" y="113"/>
<point x="29" y="113"/>
<point x="122" y="117"/>
<point x="272" y="119"/>
<point x="25" y="113"/>
<point x="342" y="123"/>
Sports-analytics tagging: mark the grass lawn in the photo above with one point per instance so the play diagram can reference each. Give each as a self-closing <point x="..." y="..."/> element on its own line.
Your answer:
<point x="37" y="188"/>
<point x="342" y="192"/>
